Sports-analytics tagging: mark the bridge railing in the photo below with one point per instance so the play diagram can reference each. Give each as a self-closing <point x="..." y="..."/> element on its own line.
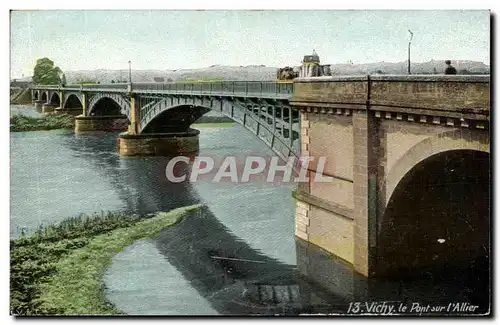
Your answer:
<point x="43" y="87"/>
<point x="246" y="88"/>
<point x="237" y="88"/>
<point x="106" y="86"/>
<point x="119" y="87"/>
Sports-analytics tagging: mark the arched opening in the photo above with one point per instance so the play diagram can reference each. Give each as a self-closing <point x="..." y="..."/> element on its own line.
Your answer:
<point x="106" y="107"/>
<point x="437" y="219"/>
<point x="35" y="95"/>
<point x="44" y="97"/>
<point x="176" y="119"/>
<point x="55" y="99"/>
<point x="73" y="102"/>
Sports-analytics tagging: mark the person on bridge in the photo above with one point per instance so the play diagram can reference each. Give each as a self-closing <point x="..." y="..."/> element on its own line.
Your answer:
<point x="449" y="68"/>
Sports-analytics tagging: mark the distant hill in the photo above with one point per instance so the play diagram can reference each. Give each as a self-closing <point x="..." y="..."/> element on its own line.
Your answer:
<point x="430" y="67"/>
<point x="261" y="72"/>
<point x="216" y="72"/>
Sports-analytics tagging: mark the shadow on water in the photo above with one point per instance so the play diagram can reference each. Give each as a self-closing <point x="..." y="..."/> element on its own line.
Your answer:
<point x="140" y="182"/>
<point x="450" y="286"/>
<point x="235" y="278"/>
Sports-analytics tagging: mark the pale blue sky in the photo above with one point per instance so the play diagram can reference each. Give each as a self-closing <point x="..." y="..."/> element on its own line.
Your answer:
<point x="81" y="40"/>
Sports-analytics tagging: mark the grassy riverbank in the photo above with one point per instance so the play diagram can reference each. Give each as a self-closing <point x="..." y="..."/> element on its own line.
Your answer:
<point x="58" y="270"/>
<point x="22" y="123"/>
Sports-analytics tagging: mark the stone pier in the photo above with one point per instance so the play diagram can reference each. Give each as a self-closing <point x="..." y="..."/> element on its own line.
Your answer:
<point x="159" y="144"/>
<point x="48" y="108"/>
<point x="38" y="105"/>
<point x="70" y="111"/>
<point x="100" y="123"/>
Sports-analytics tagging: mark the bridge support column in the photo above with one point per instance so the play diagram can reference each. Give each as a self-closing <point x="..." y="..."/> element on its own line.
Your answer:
<point x="48" y="108"/>
<point x="159" y="144"/>
<point x="84" y="104"/>
<point x="336" y="223"/>
<point x="33" y="97"/>
<point x="365" y="180"/>
<point x="111" y="123"/>
<point x="61" y="100"/>
<point x="135" y="116"/>
<point x="38" y="105"/>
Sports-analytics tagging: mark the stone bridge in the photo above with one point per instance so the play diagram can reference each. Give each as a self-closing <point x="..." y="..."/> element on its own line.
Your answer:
<point x="408" y="155"/>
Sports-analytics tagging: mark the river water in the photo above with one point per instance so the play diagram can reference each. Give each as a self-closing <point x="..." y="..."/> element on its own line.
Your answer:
<point x="237" y="256"/>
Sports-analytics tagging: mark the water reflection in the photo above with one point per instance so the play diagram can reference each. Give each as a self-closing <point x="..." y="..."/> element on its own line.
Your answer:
<point x="48" y="184"/>
<point x="57" y="174"/>
<point x="140" y="182"/>
<point x="231" y="276"/>
<point x="465" y="283"/>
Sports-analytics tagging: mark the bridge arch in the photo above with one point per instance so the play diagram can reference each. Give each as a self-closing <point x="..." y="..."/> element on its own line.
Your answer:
<point x="36" y="94"/>
<point x="55" y="99"/>
<point x="461" y="139"/>
<point x="169" y="114"/>
<point x="174" y="119"/>
<point x="72" y="101"/>
<point x="437" y="205"/>
<point x="45" y="96"/>
<point x="109" y="104"/>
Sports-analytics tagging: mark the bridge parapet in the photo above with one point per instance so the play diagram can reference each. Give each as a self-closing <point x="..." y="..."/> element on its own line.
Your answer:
<point x="447" y="96"/>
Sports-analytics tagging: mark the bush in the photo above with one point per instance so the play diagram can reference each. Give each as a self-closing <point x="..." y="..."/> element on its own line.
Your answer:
<point x="21" y="123"/>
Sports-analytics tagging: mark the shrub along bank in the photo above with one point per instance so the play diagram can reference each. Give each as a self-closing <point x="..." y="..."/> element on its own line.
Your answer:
<point x="21" y="123"/>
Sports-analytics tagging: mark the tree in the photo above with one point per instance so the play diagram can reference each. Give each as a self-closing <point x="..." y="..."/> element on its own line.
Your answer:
<point x="112" y="81"/>
<point x="63" y="79"/>
<point x="45" y="73"/>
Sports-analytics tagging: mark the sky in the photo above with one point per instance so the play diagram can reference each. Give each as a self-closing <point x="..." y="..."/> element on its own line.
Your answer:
<point x="164" y="40"/>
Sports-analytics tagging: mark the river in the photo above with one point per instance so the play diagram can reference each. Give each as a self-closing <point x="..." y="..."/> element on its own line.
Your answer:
<point x="237" y="256"/>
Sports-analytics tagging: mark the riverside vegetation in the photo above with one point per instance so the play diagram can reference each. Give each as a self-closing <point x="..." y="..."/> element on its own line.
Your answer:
<point x="58" y="269"/>
<point x="21" y="123"/>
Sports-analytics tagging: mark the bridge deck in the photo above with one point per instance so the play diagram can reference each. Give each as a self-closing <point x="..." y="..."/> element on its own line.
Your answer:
<point x="250" y="89"/>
